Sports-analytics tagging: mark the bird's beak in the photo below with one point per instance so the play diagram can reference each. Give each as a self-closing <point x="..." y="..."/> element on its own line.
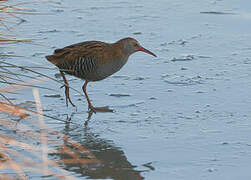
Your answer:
<point x="146" y="51"/>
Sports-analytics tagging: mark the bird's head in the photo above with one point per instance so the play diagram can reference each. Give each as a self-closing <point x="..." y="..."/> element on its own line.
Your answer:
<point x="131" y="46"/>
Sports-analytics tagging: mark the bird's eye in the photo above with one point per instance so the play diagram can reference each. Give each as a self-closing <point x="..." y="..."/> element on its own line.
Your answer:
<point x="135" y="45"/>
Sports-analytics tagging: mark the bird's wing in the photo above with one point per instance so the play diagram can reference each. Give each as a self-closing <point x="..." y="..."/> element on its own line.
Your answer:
<point x="81" y="57"/>
<point x="76" y="51"/>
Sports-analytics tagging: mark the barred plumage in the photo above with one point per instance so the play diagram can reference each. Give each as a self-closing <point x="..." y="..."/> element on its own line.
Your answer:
<point x="82" y="66"/>
<point x="64" y="66"/>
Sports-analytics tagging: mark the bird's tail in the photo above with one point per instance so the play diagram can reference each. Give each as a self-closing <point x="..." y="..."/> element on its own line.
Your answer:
<point x="53" y="59"/>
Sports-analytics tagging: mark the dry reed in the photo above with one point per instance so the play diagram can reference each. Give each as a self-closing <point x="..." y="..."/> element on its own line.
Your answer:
<point x="25" y="145"/>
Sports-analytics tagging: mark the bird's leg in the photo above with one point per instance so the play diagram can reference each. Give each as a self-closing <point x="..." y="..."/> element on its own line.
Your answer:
<point x="66" y="85"/>
<point x="91" y="107"/>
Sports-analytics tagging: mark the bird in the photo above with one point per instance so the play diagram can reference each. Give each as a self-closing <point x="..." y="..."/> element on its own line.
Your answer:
<point x="94" y="61"/>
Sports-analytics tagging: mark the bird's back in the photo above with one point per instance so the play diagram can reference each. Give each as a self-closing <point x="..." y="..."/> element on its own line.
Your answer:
<point x="73" y="52"/>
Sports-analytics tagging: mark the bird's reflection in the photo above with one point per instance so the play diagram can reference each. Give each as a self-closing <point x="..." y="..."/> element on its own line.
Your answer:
<point x="90" y="113"/>
<point x="97" y="158"/>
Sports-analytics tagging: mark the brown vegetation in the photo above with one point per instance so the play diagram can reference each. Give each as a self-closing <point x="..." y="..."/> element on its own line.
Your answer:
<point x="26" y="142"/>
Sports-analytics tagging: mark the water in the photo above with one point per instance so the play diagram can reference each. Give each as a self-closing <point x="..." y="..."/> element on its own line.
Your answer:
<point x="182" y="115"/>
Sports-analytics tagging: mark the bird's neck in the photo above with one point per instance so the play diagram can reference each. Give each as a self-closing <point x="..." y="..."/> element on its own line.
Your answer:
<point x="118" y="51"/>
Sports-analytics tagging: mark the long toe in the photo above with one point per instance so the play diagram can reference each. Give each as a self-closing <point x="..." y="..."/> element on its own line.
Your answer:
<point x="67" y="96"/>
<point x="101" y="109"/>
<point x="71" y="102"/>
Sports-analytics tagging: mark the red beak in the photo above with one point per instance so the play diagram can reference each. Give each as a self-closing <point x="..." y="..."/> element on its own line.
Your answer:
<point x="146" y="51"/>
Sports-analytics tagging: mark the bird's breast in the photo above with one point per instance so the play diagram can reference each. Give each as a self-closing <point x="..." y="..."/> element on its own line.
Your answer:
<point x="107" y="69"/>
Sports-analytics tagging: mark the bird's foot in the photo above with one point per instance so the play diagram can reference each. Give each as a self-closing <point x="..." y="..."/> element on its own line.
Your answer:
<point x="70" y="102"/>
<point x="67" y="96"/>
<point x="100" y="109"/>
